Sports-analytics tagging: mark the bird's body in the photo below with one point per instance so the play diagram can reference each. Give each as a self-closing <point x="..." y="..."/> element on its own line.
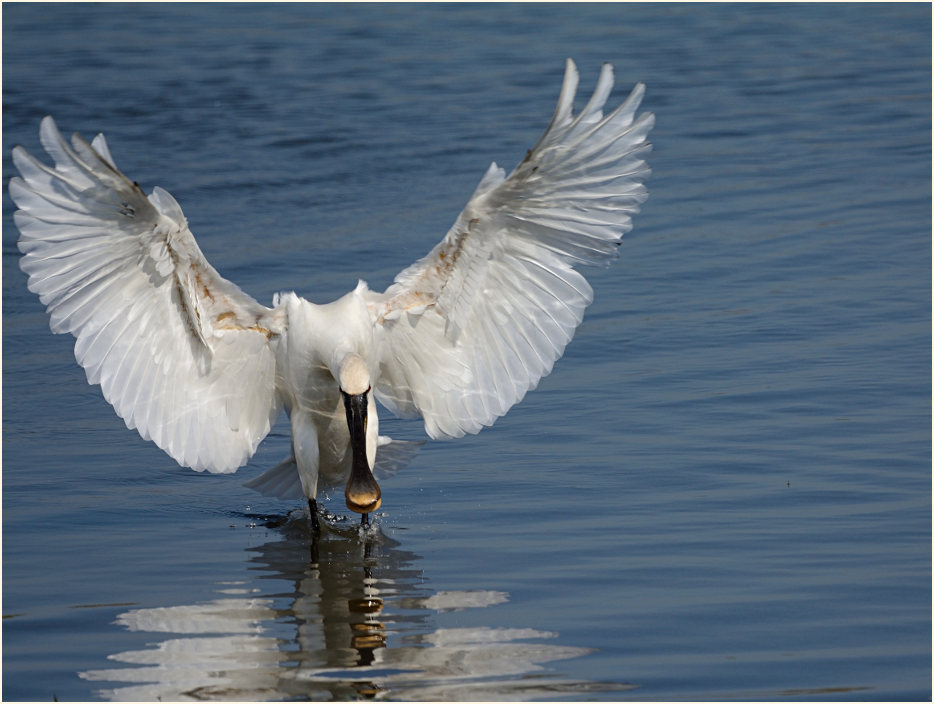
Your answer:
<point x="318" y="342"/>
<point x="203" y="370"/>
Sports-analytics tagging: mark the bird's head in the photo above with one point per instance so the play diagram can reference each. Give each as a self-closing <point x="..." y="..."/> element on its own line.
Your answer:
<point x="354" y="377"/>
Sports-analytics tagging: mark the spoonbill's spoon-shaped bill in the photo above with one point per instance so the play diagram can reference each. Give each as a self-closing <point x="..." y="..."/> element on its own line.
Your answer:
<point x="203" y="370"/>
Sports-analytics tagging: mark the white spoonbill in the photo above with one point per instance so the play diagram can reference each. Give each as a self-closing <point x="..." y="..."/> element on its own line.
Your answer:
<point x="203" y="370"/>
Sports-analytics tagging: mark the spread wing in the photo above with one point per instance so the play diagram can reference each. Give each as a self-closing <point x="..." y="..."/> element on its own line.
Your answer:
<point x="475" y="324"/>
<point x="183" y="355"/>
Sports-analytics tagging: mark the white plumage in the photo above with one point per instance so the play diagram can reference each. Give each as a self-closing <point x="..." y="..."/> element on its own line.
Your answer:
<point x="203" y="370"/>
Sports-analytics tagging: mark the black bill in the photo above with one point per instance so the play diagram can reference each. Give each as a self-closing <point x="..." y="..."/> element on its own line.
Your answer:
<point x="362" y="492"/>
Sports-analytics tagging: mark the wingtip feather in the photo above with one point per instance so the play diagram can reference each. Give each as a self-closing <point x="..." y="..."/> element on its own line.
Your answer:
<point x="565" y="105"/>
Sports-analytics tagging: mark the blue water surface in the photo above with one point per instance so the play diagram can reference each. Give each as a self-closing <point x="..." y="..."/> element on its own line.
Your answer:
<point x="723" y="491"/>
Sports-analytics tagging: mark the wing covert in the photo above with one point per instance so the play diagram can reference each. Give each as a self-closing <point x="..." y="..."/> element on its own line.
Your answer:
<point x="183" y="355"/>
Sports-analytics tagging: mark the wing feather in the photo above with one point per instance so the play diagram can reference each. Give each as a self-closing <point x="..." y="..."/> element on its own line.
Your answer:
<point x="182" y="354"/>
<point x="475" y="324"/>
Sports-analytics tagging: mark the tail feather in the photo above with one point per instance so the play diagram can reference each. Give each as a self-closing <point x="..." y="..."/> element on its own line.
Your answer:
<point x="393" y="455"/>
<point x="281" y="482"/>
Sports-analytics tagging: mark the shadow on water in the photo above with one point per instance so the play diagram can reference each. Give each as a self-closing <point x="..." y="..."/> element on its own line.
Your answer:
<point x="343" y="616"/>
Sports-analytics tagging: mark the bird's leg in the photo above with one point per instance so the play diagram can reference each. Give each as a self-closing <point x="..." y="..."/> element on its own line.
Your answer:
<point x="313" y="512"/>
<point x="365" y="520"/>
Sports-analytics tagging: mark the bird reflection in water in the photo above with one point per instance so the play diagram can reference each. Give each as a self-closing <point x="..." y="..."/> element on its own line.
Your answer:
<point x="367" y="633"/>
<point x="357" y="621"/>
